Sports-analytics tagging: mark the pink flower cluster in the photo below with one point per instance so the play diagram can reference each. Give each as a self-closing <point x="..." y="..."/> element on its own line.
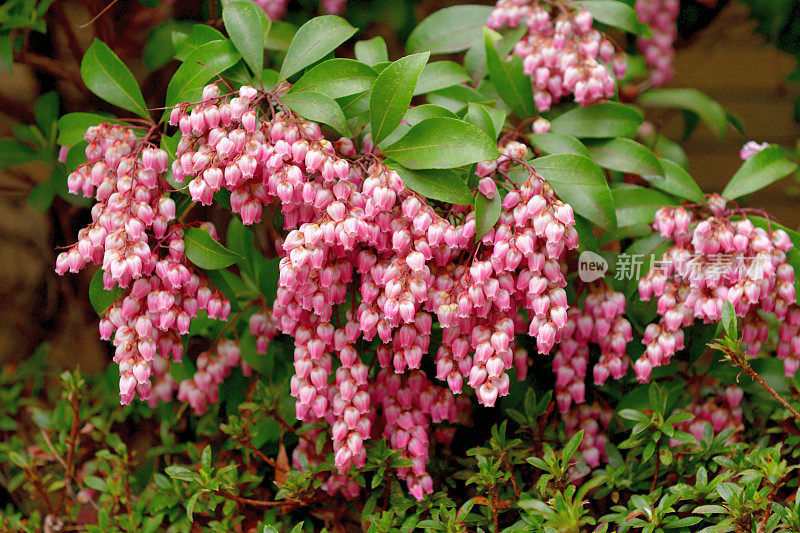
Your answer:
<point x="594" y="421"/>
<point x="358" y="224"/>
<point x="213" y="367"/>
<point x="561" y="52"/>
<point x="410" y="404"/>
<point x="719" y="256"/>
<point x="131" y="236"/>
<point x="721" y="411"/>
<point x="600" y="321"/>
<point x="661" y="17"/>
<point x="263" y="328"/>
<point x="276" y="9"/>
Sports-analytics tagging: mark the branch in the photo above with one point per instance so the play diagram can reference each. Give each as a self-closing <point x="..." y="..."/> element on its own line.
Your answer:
<point x="53" y="67"/>
<point x="733" y="351"/>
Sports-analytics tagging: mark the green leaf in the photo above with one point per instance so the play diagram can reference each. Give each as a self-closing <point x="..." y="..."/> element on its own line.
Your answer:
<point x="100" y="298"/>
<point x="200" y="34"/>
<point x="486" y="214"/>
<point x="442" y="143"/>
<point x="440" y="75"/>
<point x="606" y="119"/>
<point x="615" y="13"/>
<point x="457" y="97"/>
<point x="638" y="205"/>
<point x="336" y="78"/>
<point x="319" y="108"/>
<point x="96" y="483"/>
<point x="190" y="505"/>
<point x="160" y="48"/>
<point x="13" y="153"/>
<point x="419" y="113"/>
<point x="692" y="100"/>
<point x="580" y="183"/>
<point x="391" y="94"/>
<point x="314" y="40"/>
<point x="676" y="181"/>
<point x="729" y="319"/>
<point x="205" y="458"/>
<point x="203" y="64"/>
<point x="6" y="54"/>
<point x="442" y="185"/>
<point x="72" y="126"/>
<point x="513" y="86"/>
<point x="244" y="24"/>
<point x="764" y="168"/>
<point x="205" y="252"/>
<point x="108" y="77"/>
<point x="448" y="30"/>
<point x="624" y="155"/>
<point x="372" y="51"/>
<point x="45" y="111"/>
<point x="478" y="115"/>
<point x="278" y="35"/>
<point x="558" y="143"/>
<point x="572" y="446"/>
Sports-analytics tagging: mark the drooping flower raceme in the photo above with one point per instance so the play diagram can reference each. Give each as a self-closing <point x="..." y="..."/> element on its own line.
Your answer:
<point x="141" y="250"/>
<point x="358" y="224"/>
<point x="719" y="256"/>
<point x="661" y="17"/>
<point x="599" y="321"/>
<point x="561" y="52"/>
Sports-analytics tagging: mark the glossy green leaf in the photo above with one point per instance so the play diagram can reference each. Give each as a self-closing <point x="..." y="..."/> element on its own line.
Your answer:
<point x="202" y="65"/>
<point x="624" y="155"/>
<point x="478" y="115"/>
<point x="764" y="168"/>
<point x="709" y="110"/>
<point x="100" y="298"/>
<point x="108" y="77"/>
<point x="615" y="13"/>
<point x="244" y="24"/>
<point x="558" y="143"/>
<point x="199" y="34"/>
<point x="278" y="35"/>
<point x="637" y="205"/>
<point x="392" y="92"/>
<point x="676" y="181"/>
<point x="580" y="183"/>
<point x="314" y="40"/>
<point x="160" y="46"/>
<point x="513" y="86"/>
<point x="440" y="75"/>
<point x="372" y="51"/>
<point x="442" y="185"/>
<point x="448" y="30"/>
<point x="336" y="78"/>
<point x="205" y="252"/>
<point x="606" y="119"/>
<point x="442" y="143"/>
<point x="457" y="97"/>
<point x="319" y="108"/>
<point x="417" y="114"/>
<point x="72" y="126"/>
<point x="487" y="212"/>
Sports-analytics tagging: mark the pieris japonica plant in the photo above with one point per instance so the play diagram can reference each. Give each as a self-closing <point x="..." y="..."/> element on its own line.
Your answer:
<point x="385" y="293"/>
